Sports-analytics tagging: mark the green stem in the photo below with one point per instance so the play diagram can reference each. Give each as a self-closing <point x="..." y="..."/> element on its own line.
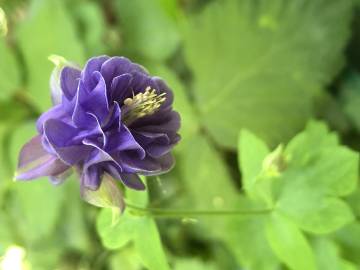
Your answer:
<point x="167" y="213"/>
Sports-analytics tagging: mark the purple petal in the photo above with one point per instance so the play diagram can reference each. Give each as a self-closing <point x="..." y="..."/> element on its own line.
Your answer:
<point x="90" y="178"/>
<point x="130" y="180"/>
<point x="35" y="162"/>
<point x="69" y="81"/>
<point x="65" y="140"/>
<point x="120" y="87"/>
<point x="124" y="141"/>
<point x="94" y="64"/>
<point x="94" y="100"/>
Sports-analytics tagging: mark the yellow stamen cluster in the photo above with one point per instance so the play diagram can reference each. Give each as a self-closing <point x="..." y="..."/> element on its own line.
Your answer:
<point x="142" y="104"/>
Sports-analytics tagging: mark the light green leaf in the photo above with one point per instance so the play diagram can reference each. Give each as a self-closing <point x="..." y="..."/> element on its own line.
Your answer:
<point x="149" y="246"/>
<point x="246" y="238"/>
<point x="289" y="243"/>
<point x="148" y="28"/>
<point x="206" y="176"/>
<point x="252" y="152"/>
<point x="309" y="188"/>
<point x="258" y="64"/>
<point x="48" y="30"/>
<point x="348" y="239"/>
<point x="9" y="74"/>
<point x="327" y="254"/>
<point x="193" y="264"/>
<point x="115" y="235"/>
<point x="91" y="17"/>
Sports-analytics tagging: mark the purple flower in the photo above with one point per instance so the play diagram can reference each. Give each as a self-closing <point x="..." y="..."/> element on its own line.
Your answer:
<point x="111" y="118"/>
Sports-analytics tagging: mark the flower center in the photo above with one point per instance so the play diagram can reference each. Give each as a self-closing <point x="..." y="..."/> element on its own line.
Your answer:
<point x="141" y="104"/>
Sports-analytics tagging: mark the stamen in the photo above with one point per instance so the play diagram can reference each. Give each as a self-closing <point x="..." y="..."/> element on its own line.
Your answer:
<point x="141" y="104"/>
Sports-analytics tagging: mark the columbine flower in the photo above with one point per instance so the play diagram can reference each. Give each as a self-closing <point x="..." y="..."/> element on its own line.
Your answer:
<point x="109" y="119"/>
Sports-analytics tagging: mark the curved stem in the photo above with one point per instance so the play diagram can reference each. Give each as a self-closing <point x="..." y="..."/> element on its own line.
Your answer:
<point x="170" y="213"/>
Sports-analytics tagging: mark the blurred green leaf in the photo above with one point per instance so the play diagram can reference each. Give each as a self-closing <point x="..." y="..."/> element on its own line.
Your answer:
<point x="148" y="28"/>
<point x="9" y="74"/>
<point x="47" y="30"/>
<point x="348" y="239"/>
<point x="289" y="243"/>
<point x="206" y="176"/>
<point x="327" y="254"/>
<point x="258" y="64"/>
<point x="92" y="27"/>
<point x="350" y="97"/>
<point x="193" y="264"/>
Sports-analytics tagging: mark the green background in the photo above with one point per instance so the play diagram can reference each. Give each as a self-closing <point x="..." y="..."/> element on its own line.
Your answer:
<point x="269" y="96"/>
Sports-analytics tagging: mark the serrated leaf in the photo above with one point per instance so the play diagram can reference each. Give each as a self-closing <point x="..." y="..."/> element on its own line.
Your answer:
<point x="289" y="243"/>
<point x="48" y="30"/>
<point x="263" y="61"/>
<point x="310" y="187"/>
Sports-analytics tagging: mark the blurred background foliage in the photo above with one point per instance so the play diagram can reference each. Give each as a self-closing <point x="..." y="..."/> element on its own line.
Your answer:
<point x="248" y="75"/>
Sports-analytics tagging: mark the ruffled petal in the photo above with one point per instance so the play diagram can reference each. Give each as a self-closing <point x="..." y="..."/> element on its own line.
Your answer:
<point x="65" y="140"/>
<point x="122" y="141"/>
<point x="94" y="64"/>
<point x="69" y="81"/>
<point x="120" y="87"/>
<point x="129" y="180"/>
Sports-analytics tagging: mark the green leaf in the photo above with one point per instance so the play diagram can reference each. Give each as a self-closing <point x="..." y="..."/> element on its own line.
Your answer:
<point x="310" y="187"/>
<point x="206" y="177"/>
<point x="115" y="235"/>
<point x="348" y="239"/>
<point x="10" y="77"/>
<point x="289" y="243"/>
<point x="149" y="246"/>
<point x="246" y="238"/>
<point x="48" y="30"/>
<point x="193" y="264"/>
<point x="89" y="15"/>
<point x="327" y="254"/>
<point x="252" y="152"/>
<point x="148" y="28"/>
<point x="258" y="64"/>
